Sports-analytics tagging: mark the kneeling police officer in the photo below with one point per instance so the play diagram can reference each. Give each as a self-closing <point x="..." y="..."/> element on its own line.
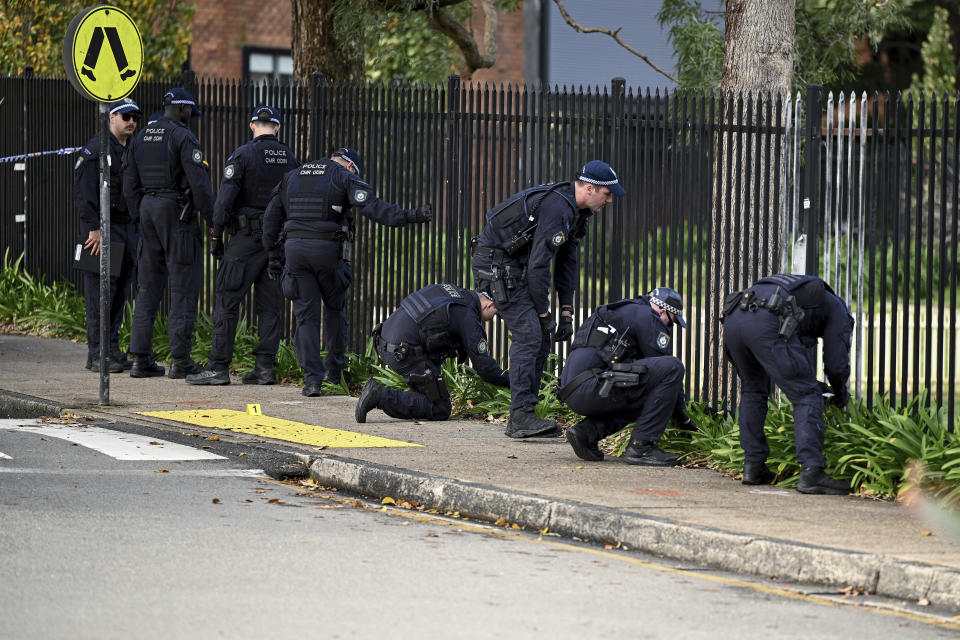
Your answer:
<point x="767" y="329"/>
<point x="620" y="371"/>
<point x="437" y="322"/>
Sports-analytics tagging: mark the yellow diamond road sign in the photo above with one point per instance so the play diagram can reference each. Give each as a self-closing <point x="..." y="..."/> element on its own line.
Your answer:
<point x="103" y="53"/>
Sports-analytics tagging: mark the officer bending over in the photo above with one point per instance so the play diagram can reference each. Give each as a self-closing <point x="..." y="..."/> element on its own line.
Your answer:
<point x="620" y="371"/>
<point x="767" y="329"/>
<point x="314" y="208"/>
<point x="437" y="322"/>
<point x="249" y="177"/>
<point x="165" y="181"/>
<point x="124" y="115"/>
<point x="512" y="258"/>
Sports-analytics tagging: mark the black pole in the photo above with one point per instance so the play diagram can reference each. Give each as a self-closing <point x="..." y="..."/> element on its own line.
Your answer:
<point x="104" y="253"/>
<point x="811" y="195"/>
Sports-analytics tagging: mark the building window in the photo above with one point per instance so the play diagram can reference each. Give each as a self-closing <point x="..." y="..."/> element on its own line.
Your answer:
<point x="262" y="64"/>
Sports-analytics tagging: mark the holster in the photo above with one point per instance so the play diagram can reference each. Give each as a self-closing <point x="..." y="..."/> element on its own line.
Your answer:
<point x="428" y="384"/>
<point x="185" y="202"/>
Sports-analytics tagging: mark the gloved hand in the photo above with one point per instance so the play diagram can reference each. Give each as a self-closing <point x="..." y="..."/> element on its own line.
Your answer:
<point x="547" y="325"/>
<point x="564" y="329"/>
<point x="216" y="245"/>
<point x="274" y="268"/>
<point x="841" y="397"/>
<point x="424" y="213"/>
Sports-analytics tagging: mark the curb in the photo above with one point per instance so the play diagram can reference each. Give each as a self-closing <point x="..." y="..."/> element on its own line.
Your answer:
<point x="18" y="405"/>
<point x="737" y="552"/>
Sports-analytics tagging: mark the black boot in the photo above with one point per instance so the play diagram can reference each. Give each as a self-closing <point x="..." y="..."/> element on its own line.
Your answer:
<point x="145" y="367"/>
<point x="815" y="480"/>
<point x="757" y="473"/>
<point x="524" y="423"/>
<point x="312" y="389"/>
<point x="209" y="377"/>
<point x="262" y="373"/>
<point x="119" y="356"/>
<point x="183" y="367"/>
<point x="369" y="399"/>
<point x="583" y="438"/>
<point x="648" y="454"/>
<point x="93" y="364"/>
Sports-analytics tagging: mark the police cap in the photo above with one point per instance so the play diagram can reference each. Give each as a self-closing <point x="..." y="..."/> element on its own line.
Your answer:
<point x="600" y="173"/>
<point x="669" y="300"/>
<point x="179" y="95"/>
<point x="350" y="155"/>
<point x="265" y="113"/>
<point x="124" y="106"/>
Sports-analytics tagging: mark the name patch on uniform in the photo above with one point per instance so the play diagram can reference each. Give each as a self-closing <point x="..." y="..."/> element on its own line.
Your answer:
<point x="663" y="340"/>
<point x="558" y="238"/>
<point x="482" y="346"/>
<point x="197" y="156"/>
<point x="228" y="171"/>
<point x="313" y="169"/>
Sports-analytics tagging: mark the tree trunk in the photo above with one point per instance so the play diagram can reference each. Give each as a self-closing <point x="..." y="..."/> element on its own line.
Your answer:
<point x="315" y="45"/>
<point x="757" y="66"/>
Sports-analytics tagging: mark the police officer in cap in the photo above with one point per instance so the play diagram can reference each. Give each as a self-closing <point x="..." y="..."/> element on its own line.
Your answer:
<point x="437" y="322"/>
<point x="165" y="181"/>
<point x="767" y="330"/>
<point x="621" y="370"/>
<point x="313" y="207"/>
<point x="124" y="116"/>
<point x="512" y="257"/>
<point x="249" y="177"/>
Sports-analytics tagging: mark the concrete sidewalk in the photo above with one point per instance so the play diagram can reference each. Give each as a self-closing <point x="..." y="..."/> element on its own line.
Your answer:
<point x="471" y="467"/>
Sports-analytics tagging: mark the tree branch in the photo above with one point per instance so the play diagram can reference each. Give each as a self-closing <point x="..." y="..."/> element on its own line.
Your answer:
<point x="615" y="34"/>
<point x="443" y="22"/>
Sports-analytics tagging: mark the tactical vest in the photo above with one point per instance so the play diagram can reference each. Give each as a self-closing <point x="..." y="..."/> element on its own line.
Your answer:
<point x="271" y="161"/>
<point x="154" y="155"/>
<point x="605" y="332"/>
<point x="809" y="291"/>
<point x="310" y="200"/>
<point x="514" y="221"/>
<point x="430" y="310"/>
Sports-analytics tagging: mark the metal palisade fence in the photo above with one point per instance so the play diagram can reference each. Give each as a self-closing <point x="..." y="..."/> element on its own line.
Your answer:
<point x="721" y="190"/>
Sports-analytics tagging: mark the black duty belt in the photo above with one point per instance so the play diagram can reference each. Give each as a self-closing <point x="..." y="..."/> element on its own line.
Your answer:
<point x="493" y="253"/>
<point x="400" y="351"/>
<point x="314" y="235"/>
<point x="566" y="390"/>
<point x="169" y="195"/>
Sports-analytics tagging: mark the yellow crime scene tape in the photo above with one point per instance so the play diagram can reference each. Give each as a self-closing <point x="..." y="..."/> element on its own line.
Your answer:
<point x="253" y="422"/>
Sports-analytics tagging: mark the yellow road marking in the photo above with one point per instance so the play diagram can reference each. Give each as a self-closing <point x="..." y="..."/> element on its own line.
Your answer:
<point x="277" y="428"/>
<point x="620" y="557"/>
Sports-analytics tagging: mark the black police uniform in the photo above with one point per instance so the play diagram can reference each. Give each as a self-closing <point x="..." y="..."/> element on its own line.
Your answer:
<point x="249" y="177"/>
<point x="314" y="208"/>
<point x="86" y="191"/>
<point x="437" y="322"/>
<point x="767" y="344"/>
<point x="628" y="337"/>
<point x="511" y="261"/>
<point x="164" y="162"/>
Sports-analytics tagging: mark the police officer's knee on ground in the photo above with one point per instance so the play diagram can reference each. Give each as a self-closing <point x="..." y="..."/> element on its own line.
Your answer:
<point x="621" y="370"/>
<point x="249" y="177"/>
<point x="512" y="258"/>
<point x="767" y="330"/>
<point x="437" y="322"/>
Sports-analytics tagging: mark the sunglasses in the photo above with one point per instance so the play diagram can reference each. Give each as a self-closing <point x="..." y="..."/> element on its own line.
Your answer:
<point x="127" y="117"/>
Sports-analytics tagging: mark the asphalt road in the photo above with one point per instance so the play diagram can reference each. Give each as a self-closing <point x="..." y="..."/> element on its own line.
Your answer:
<point x="153" y="545"/>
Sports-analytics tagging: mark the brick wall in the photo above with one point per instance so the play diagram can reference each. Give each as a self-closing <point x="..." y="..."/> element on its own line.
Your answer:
<point x="509" y="65"/>
<point x="221" y="28"/>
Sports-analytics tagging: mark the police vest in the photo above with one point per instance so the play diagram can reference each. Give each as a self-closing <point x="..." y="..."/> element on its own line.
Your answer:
<point x="430" y="310"/>
<point x="605" y="332"/>
<point x="154" y="155"/>
<point x="514" y="221"/>
<point x="271" y="159"/>
<point x="809" y="291"/>
<point x="308" y="195"/>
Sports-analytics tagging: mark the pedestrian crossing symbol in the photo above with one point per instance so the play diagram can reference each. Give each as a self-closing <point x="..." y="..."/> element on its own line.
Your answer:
<point x="103" y="53"/>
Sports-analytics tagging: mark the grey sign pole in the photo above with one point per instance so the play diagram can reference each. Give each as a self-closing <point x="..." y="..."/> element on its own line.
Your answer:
<point x="105" y="297"/>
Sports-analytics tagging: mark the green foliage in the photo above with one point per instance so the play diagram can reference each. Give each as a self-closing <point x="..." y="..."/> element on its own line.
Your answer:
<point x="697" y="38"/>
<point x="31" y="305"/>
<point x="939" y="61"/>
<point x="32" y="32"/>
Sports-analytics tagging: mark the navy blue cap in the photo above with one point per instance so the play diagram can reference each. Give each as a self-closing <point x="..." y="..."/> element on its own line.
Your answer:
<point x="670" y="300"/>
<point x="600" y="173"/>
<point x="124" y="106"/>
<point x="265" y="113"/>
<point x="351" y="155"/>
<point x="178" y="95"/>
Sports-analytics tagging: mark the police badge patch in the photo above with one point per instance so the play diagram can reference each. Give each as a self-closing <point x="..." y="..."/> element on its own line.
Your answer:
<point x="361" y="196"/>
<point x="558" y="238"/>
<point x="228" y="171"/>
<point x="482" y="346"/>
<point x="197" y="156"/>
<point x="663" y="340"/>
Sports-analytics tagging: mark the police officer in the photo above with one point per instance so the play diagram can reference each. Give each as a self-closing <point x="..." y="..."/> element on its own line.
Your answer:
<point x="437" y="322"/>
<point x="313" y="206"/>
<point x="165" y="181"/>
<point x="621" y="370"/>
<point x="249" y="177"/>
<point x="511" y="259"/>
<point x="767" y="329"/>
<point x="124" y="115"/>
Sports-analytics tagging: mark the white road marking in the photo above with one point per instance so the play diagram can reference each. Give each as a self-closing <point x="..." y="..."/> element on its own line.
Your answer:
<point x="771" y="492"/>
<point x="4" y="456"/>
<point x="201" y="473"/>
<point x="116" y="444"/>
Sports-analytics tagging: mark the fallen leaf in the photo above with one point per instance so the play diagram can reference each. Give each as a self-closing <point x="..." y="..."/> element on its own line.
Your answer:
<point x="216" y="501"/>
<point x="240" y="455"/>
<point x="273" y="500"/>
<point x="579" y="467"/>
<point x="511" y="457"/>
<point x="544" y="531"/>
<point x="514" y="526"/>
<point x="248" y="500"/>
<point x="388" y="500"/>
<point x="501" y="521"/>
<point x="923" y="602"/>
<point x="155" y="442"/>
<point x="162" y="471"/>
<point x="259" y="490"/>
<point x="213" y="438"/>
<point x="926" y="533"/>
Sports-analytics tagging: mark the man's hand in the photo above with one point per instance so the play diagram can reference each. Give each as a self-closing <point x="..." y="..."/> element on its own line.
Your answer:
<point x="93" y="242"/>
<point x="564" y="328"/>
<point x="216" y="245"/>
<point x="423" y="213"/>
<point x="547" y="325"/>
<point x="274" y="268"/>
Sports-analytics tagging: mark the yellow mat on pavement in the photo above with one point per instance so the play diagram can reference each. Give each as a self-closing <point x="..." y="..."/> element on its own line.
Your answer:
<point x="277" y="428"/>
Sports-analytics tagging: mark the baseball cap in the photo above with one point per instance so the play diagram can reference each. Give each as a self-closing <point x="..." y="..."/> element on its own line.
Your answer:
<point x="669" y="299"/>
<point x="124" y="106"/>
<point x="179" y="95"/>
<point x="600" y="173"/>
<point x="265" y="113"/>
<point x="351" y="155"/>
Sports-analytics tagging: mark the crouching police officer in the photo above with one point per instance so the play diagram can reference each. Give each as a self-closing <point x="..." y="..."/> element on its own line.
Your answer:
<point x="437" y="322"/>
<point x="314" y="208"/>
<point x="249" y="177"/>
<point x="511" y="259"/>
<point x="124" y="116"/>
<point x="165" y="181"/>
<point x="620" y="371"/>
<point x="767" y="329"/>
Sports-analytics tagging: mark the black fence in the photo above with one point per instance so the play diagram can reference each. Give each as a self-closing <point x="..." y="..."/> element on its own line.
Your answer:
<point x="721" y="190"/>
